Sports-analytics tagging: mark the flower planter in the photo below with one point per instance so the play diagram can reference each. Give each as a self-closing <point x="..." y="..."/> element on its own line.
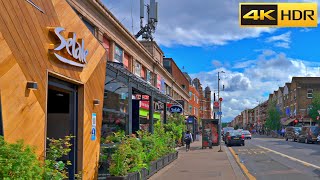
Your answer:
<point x="166" y="160"/>
<point x="176" y="155"/>
<point x="152" y="169"/>
<point x="159" y="164"/>
<point x="144" y="174"/>
<point x="130" y="176"/>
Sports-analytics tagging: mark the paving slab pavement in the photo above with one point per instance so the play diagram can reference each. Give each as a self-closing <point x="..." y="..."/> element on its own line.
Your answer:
<point x="201" y="164"/>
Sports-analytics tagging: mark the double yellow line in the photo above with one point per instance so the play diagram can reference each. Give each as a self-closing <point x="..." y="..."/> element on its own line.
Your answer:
<point x="242" y="166"/>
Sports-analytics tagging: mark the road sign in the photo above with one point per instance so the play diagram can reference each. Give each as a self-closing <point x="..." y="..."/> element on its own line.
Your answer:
<point x="220" y="99"/>
<point x="215" y="110"/>
<point x="216" y="104"/>
<point x="219" y="113"/>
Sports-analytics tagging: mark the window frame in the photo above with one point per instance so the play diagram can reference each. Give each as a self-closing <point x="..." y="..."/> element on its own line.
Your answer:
<point x="308" y="93"/>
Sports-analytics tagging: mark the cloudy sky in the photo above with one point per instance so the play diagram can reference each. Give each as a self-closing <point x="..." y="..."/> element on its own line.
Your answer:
<point x="204" y="37"/>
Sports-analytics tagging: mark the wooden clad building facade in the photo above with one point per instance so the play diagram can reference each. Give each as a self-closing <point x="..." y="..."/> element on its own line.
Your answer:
<point x="37" y="67"/>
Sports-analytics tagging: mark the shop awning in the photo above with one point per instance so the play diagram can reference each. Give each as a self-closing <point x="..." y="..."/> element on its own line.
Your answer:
<point x="117" y="71"/>
<point x="286" y="122"/>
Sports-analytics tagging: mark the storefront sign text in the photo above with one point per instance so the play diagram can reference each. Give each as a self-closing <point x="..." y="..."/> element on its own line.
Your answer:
<point x="176" y="109"/>
<point x="74" y="49"/>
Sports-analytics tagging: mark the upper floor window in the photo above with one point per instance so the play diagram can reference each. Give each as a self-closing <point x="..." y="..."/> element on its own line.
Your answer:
<point x="309" y="93"/>
<point x="190" y="94"/>
<point x="118" y="53"/>
<point x="89" y="26"/>
<point x="137" y="69"/>
<point x="190" y="108"/>
<point x="183" y="86"/>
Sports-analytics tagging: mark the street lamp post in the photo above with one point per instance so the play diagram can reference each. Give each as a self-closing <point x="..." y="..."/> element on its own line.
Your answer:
<point x="220" y="124"/>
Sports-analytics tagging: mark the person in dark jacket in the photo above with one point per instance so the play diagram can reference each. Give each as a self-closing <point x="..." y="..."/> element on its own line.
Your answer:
<point x="188" y="139"/>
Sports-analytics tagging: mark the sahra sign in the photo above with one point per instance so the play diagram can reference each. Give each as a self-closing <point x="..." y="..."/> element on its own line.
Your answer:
<point x="176" y="109"/>
<point x="73" y="47"/>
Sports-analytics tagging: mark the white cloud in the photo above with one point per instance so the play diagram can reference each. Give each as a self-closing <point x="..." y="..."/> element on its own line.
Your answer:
<point x="282" y="44"/>
<point x="267" y="73"/>
<point x="281" y="40"/>
<point x="189" y="23"/>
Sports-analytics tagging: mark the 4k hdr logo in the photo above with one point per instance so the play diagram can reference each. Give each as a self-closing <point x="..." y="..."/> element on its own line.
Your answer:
<point x="278" y="14"/>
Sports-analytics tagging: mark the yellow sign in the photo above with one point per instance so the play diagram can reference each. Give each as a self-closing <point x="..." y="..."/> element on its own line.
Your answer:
<point x="278" y="14"/>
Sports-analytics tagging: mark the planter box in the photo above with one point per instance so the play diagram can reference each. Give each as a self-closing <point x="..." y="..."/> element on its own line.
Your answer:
<point x="130" y="176"/>
<point x="152" y="169"/>
<point x="166" y="160"/>
<point x="160" y="164"/>
<point x="144" y="174"/>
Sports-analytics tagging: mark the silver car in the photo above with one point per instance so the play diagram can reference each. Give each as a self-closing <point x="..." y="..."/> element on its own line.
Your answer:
<point x="247" y="134"/>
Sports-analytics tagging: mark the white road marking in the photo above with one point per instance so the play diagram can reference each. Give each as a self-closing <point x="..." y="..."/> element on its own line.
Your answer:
<point x="292" y="158"/>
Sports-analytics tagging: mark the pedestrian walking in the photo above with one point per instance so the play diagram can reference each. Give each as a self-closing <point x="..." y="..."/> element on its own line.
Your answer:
<point x="188" y="139"/>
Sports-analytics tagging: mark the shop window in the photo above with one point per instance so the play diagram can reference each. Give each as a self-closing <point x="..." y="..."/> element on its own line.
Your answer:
<point x="309" y="93"/>
<point x="115" y="107"/>
<point x="137" y="69"/>
<point x="1" y="125"/>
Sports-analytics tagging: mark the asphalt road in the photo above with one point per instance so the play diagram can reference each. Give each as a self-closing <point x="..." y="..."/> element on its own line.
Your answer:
<point x="268" y="158"/>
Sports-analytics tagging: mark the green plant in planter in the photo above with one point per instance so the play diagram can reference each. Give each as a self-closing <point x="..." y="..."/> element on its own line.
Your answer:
<point x="55" y="168"/>
<point x="129" y="157"/>
<point x="18" y="161"/>
<point x="116" y="137"/>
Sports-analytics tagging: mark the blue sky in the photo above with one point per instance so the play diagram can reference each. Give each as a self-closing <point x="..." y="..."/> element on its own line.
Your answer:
<point x="304" y="45"/>
<point x="205" y="38"/>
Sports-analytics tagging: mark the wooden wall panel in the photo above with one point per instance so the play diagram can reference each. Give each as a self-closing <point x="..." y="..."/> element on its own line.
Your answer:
<point x="24" y="56"/>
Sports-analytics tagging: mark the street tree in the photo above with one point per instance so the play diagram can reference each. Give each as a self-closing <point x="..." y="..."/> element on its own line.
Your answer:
<point x="315" y="106"/>
<point x="273" y="119"/>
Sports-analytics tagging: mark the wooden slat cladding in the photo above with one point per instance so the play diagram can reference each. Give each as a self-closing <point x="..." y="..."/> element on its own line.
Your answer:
<point x="24" y="56"/>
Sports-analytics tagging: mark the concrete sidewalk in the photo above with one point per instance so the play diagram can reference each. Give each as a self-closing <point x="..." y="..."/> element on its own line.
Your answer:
<point x="201" y="164"/>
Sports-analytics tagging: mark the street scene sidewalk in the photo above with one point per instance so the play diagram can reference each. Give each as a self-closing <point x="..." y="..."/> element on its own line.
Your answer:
<point x="202" y="164"/>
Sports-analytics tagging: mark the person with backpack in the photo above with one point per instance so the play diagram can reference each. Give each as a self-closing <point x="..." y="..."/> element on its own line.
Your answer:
<point x="188" y="139"/>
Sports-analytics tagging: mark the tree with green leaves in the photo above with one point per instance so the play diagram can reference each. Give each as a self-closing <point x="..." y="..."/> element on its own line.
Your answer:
<point x="273" y="119"/>
<point x="313" y="112"/>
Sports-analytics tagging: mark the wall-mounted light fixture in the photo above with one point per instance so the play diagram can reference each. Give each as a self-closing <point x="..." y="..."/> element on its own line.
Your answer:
<point x="96" y="102"/>
<point x="32" y="85"/>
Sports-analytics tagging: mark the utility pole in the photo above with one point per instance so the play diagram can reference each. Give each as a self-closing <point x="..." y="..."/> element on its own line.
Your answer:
<point x="220" y="124"/>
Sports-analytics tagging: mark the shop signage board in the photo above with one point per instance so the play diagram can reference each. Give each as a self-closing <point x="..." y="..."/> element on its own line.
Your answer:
<point x="176" y="109"/>
<point x="74" y="48"/>
<point x="93" y="126"/>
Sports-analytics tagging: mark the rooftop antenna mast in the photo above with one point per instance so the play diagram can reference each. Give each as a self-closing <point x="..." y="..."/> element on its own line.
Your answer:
<point x="148" y="29"/>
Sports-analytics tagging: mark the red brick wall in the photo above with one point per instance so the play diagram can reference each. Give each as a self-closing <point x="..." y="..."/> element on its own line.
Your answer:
<point x="193" y="101"/>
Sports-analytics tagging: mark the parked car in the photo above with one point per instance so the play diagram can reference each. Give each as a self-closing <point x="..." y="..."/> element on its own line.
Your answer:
<point x="224" y="131"/>
<point x="247" y="134"/>
<point x="309" y="134"/>
<point x="234" y="138"/>
<point x="292" y="133"/>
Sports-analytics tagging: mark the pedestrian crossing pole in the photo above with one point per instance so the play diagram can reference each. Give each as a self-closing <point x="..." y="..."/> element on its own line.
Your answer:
<point x="220" y="101"/>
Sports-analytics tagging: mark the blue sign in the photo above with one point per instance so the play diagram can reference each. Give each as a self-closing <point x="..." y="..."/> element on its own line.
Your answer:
<point x="219" y="113"/>
<point x="93" y="133"/>
<point x="176" y="109"/>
